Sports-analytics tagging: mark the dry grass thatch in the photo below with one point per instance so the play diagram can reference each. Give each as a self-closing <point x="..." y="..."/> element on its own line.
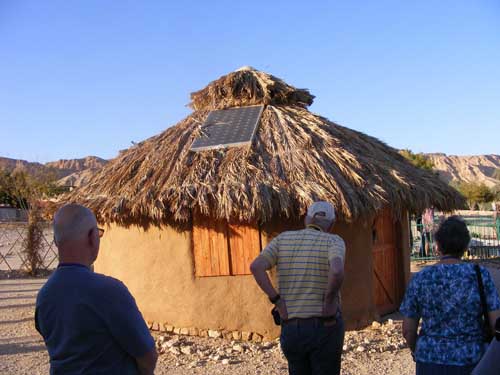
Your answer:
<point x="247" y="86"/>
<point x="297" y="157"/>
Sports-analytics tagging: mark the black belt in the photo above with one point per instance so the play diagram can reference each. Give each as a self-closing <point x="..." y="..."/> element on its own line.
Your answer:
<point x="319" y="319"/>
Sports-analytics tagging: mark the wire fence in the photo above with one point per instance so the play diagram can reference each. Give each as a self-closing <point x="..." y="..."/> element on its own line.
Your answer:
<point x="13" y="257"/>
<point x="484" y="231"/>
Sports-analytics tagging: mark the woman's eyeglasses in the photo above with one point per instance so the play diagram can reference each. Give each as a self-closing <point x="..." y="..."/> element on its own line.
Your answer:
<point x="101" y="231"/>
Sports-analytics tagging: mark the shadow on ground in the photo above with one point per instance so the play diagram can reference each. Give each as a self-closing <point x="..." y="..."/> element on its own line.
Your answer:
<point x="30" y="319"/>
<point x="19" y="348"/>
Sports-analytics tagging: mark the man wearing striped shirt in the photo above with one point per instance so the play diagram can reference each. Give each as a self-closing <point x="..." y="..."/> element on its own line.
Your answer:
<point x="310" y="267"/>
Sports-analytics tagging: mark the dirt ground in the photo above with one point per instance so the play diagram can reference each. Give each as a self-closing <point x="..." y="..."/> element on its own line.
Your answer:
<point x="374" y="351"/>
<point x="22" y="350"/>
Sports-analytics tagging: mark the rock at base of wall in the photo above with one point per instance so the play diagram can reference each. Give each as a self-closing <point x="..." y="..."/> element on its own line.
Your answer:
<point x="246" y="336"/>
<point x="214" y="334"/>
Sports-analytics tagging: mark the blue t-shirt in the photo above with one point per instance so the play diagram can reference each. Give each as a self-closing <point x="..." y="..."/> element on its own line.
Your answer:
<point x="446" y="298"/>
<point x="90" y="323"/>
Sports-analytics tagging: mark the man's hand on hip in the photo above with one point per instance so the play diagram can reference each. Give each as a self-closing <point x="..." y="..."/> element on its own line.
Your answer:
<point x="330" y="309"/>
<point x="281" y="306"/>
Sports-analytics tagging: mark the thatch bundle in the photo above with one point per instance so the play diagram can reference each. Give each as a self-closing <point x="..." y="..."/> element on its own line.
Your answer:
<point x="247" y="86"/>
<point x="297" y="157"/>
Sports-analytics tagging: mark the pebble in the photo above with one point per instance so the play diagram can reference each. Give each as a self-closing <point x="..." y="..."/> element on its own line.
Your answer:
<point x="186" y="350"/>
<point x="174" y="351"/>
<point x="214" y="334"/>
<point x="238" y="348"/>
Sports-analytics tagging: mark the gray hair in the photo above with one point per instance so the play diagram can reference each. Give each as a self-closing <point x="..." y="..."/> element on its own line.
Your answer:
<point x="72" y="222"/>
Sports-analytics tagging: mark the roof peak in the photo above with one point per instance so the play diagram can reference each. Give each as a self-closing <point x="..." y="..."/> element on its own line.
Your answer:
<point x="246" y="67"/>
<point x="248" y="86"/>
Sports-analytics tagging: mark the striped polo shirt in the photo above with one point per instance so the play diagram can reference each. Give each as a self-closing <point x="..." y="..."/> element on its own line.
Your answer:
<point x="302" y="259"/>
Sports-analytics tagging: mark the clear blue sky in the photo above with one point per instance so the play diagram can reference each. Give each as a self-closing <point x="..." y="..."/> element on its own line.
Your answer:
<point x="88" y="77"/>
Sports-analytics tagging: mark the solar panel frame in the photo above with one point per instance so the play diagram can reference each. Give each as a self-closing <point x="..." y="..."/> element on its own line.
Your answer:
<point x="237" y="126"/>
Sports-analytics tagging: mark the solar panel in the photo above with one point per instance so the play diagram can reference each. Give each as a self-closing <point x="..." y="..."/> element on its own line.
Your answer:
<point x="231" y="127"/>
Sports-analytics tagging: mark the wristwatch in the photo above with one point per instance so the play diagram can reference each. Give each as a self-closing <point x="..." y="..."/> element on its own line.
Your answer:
<point x="274" y="300"/>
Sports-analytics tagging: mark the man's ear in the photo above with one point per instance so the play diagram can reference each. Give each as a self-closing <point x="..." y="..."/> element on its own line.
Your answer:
<point x="93" y="237"/>
<point x="437" y="248"/>
<point x="330" y="230"/>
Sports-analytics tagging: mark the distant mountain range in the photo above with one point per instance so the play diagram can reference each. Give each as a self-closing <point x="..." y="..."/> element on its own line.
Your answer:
<point x="72" y="172"/>
<point x="77" y="172"/>
<point x="476" y="168"/>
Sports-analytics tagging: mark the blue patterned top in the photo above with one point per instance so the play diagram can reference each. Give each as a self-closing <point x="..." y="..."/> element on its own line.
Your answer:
<point x="446" y="298"/>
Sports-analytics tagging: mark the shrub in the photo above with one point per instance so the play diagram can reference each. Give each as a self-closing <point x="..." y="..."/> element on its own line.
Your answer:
<point x="418" y="160"/>
<point x="475" y="193"/>
<point x="33" y="243"/>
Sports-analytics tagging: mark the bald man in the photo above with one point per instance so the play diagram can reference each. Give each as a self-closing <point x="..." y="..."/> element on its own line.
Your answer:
<point x="90" y="322"/>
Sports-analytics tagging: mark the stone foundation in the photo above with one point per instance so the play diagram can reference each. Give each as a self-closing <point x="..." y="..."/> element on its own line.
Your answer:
<point x="213" y="333"/>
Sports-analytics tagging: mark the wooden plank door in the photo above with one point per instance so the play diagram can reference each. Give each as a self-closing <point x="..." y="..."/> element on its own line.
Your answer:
<point x="244" y="245"/>
<point x="211" y="248"/>
<point x="385" y="263"/>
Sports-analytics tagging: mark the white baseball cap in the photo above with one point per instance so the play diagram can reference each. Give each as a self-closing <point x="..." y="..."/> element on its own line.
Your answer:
<point x="321" y="209"/>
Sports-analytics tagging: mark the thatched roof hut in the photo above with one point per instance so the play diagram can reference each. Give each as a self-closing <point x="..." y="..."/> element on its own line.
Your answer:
<point x="184" y="226"/>
<point x="297" y="157"/>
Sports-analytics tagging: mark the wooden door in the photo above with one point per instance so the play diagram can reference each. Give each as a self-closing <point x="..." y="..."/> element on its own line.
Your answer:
<point x="211" y="248"/>
<point x="223" y="249"/>
<point x="244" y="245"/>
<point x="385" y="263"/>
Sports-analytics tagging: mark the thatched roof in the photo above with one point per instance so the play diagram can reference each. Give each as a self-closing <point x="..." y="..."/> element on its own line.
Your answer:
<point x="296" y="157"/>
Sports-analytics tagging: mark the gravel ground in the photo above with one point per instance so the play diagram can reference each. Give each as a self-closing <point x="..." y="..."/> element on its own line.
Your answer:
<point x="375" y="350"/>
<point x="382" y="353"/>
<point x="22" y="350"/>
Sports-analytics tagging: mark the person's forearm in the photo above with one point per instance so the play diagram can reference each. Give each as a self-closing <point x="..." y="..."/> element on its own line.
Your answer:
<point x="411" y="339"/>
<point x="410" y="328"/>
<point x="259" y="269"/>
<point x="264" y="282"/>
<point x="492" y="317"/>
<point x="335" y="280"/>
<point x="333" y="288"/>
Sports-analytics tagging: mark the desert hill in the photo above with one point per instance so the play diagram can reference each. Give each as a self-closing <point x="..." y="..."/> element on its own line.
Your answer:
<point x="76" y="165"/>
<point x="475" y="168"/>
<point x="72" y="172"/>
<point x="77" y="172"/>
<point x="79" y="178"/>
<point x="30" y="167"/>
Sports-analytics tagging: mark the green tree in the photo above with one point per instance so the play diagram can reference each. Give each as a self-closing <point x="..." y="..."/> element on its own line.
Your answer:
<point x="17" y="187"/>
<point x="496" y="192"/>
<point x="418" y="160"/>
<point x="9" y="193"/>
<point x="476" y="193"/>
